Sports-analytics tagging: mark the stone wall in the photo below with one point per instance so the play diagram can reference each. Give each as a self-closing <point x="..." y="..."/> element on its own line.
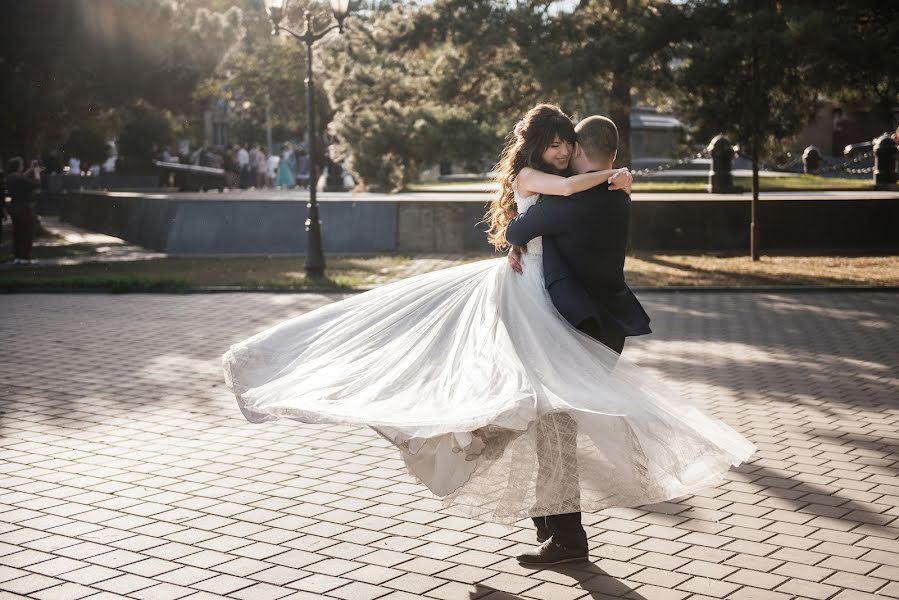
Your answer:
<point x="222" y="225"/>
<point x="104" y="181"/>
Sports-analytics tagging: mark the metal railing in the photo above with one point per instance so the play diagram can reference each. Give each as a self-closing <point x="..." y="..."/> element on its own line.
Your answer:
<point x="847" y="164"/>
<point x="671" y="165"/>
<point x="793" y="165"/>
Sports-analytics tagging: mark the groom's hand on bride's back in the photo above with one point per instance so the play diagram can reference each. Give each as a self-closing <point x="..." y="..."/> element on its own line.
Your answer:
<point x="514" y="255"/>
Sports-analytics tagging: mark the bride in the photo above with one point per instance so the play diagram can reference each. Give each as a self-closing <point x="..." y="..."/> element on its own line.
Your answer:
<point x="476" y="378"/>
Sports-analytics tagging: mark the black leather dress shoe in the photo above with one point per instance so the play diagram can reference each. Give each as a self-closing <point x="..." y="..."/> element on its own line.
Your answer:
<point x="551" y="553"/>
<point x="543" y="534"/>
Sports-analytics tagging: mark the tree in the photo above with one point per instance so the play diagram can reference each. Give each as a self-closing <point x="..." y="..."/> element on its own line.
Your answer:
<point x="734" y="76"/>
<point x="855" y="62"/>
<point x="746" y="73"/>
<point x="93" y="55"/>
<point x="263" y="77"/>
<point x="465" y="70"/>
<point x="146" y="130"/>
<point x="87" y="144"/>
<point x="35" y="87"/>
<point x="411" y="86"/>
<point x="606" y="55"/>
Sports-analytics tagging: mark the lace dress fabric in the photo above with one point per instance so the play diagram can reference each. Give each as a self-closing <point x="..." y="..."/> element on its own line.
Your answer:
<point x="535" y="246"/>
<point x="495" y="402"/>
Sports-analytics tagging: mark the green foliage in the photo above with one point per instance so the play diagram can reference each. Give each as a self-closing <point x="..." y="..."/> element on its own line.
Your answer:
<point x="413" y="83"/>
<point x="392" y="142"/>
<point x="145" y="131"/>
<point x="88" y="145"/>
<point x="411" y="86"/>
<point x="448" y="79"/>
<point x="157" y="51"/>
<point x="719" y="89"/>
<point x="855" y="62"/>
<point x="609" y="55"/>
<point x="806" y="51"/>
<point x="61" y="62"/>
<point x="270" y="75"/>
<point x="269" y="72"/>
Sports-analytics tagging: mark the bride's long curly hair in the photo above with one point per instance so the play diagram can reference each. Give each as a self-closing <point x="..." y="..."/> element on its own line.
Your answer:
<point x="524" y="148"/>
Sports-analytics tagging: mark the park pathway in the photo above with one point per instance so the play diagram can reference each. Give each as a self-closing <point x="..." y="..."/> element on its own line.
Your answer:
<point x="127" y="471"/>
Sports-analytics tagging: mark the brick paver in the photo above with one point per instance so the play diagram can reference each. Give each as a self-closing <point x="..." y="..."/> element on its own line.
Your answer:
<point x="126" y="469"/>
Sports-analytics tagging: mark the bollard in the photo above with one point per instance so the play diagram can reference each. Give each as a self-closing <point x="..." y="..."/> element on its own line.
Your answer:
<point x="884" y="160"/>
<point x="720" y="177"/>
<point x="811" y="160"/>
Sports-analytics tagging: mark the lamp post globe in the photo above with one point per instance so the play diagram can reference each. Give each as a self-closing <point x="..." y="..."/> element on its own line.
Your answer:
<point x="275" y="11"/>
<point x="340" y="8"/>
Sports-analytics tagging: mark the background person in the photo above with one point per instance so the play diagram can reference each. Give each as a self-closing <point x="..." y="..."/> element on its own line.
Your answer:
<point x="286" y="168"/>
<point x="20" y="185"/>
<point x="3" y="214"/>
<point x="302" y="167"/>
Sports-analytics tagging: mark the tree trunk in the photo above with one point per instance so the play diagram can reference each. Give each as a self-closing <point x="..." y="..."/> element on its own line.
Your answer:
<point x="754" y="224"/>
<point x="620" y="100"/>
<point x="754" y="208"/>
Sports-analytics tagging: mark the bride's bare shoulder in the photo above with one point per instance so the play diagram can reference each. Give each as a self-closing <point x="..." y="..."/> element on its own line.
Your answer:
<point x="520" y="182"/>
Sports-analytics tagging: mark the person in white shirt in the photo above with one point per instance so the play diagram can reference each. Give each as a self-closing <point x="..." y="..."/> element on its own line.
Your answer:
<point x="261" y="167"/>
<point x="243" y="166"/>
<point x="271" y="169"/>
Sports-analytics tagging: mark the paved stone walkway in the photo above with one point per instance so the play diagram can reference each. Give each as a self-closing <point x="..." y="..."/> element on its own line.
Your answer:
<point x="105" y="248"/>
<point x="126" y="469"/>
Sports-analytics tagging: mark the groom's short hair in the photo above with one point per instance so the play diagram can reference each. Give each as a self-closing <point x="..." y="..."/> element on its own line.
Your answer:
<point x="598" y="137"/>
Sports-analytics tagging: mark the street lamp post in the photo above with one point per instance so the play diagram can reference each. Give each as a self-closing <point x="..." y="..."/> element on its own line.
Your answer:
<point x="315" y="258"/>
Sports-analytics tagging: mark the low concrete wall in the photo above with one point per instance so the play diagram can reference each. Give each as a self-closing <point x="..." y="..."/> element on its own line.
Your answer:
<point x="221" y="225"/>
<point x="783" y="224"/>
<point x="232" y="226"/>
<point x="439" y="227"/>
<point x="104" y="181"/>
<point x="145" y="220"/>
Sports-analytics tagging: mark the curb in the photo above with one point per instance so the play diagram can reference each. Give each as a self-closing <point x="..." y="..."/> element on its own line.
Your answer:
<point x="175" y="292"/>
<point x="766" y="289"/>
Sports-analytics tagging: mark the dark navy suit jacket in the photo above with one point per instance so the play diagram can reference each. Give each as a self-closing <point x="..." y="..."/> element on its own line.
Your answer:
<point x="584" y="243"/>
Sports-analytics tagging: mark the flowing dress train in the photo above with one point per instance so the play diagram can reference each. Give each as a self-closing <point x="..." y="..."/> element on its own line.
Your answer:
<point x="495" y="402"/>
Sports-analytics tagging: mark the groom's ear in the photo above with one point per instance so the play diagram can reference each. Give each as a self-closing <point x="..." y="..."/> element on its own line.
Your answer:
<point x="577" y="150"/>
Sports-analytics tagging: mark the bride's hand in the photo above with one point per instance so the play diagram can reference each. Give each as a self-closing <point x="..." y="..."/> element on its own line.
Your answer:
<point x="621" y="180"/>
<point x="515" y="253"/>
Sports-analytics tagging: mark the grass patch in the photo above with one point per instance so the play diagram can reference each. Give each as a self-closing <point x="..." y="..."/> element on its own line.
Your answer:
<point x="349" y="273"/>
<point x="644" y="184"/>
<point x="174" y="274"/>
<point x="798" y="182"/>
<point x="653" y="269"/>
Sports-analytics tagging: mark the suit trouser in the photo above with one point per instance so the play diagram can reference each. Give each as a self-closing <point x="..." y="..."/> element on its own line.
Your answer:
<point x="22" y="230"/>
<point x="566" y="529"/>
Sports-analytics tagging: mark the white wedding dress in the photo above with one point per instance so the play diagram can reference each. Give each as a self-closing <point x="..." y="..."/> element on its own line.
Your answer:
<point x="496" y="403"/>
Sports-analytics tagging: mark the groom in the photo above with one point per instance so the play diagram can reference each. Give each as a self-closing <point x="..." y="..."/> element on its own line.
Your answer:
<point x="584" y="242"/>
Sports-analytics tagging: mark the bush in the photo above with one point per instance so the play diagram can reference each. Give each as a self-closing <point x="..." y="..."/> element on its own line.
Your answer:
<point x="88" y="145"/>
<point x="145" y="132"/>
<point x="387" y="146"/>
